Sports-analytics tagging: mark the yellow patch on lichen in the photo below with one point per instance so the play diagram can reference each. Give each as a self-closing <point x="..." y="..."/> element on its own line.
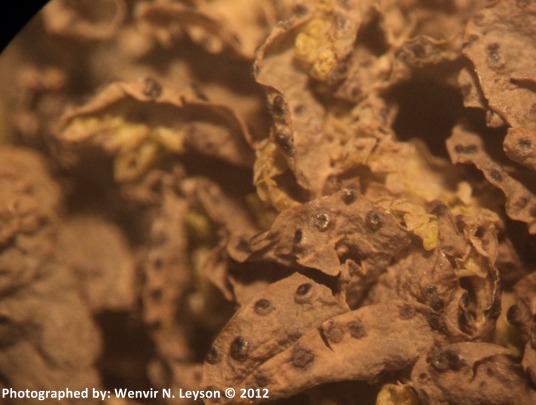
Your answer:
<point x="314" y="46"/>
<point x="397" y="394"/>
<point x="418" y="221"/>
<point x="268" y="165"/>
<point x="136" y="145"/>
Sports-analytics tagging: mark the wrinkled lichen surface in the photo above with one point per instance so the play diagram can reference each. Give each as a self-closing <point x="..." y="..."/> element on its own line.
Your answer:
<point x="331" y="200"/>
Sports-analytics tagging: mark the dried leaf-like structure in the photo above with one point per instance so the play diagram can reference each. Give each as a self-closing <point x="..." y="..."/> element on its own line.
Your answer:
<point x="28" y="213"/>
<point x="48" y="338"/>
<point x="495" y="37"/>
<point x="214" y="25"/>
<point x="116" y="120"/>
<point x="272" y="195"/>
<point x="357" y="345"/>
<point x="468" y="147"/>
<point x="240" y="348"/>
<point x="317" y="234"/>
<point x="468" y="373"/>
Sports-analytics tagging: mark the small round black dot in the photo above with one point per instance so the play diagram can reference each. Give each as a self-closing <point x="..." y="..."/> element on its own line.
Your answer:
<point x="348" y="196"/>
<point x="321" y="222"/>
<point x="151" y="88"/>
<point x="213" y="356"/>
<point x="439" y="209"/>
<point x="496" y="175"/>
<point x="407" y="311"/>
<point x="493" y="53"/>
<point x="302" y="358"/>
<point x="303" y="293"/>
<point x="524" y="143"/>
<point x="263" y="306"/>
<point x="262" y="380"/>
<point x="468" y="149"/>
<point x="374" y="220"/>
<point x="298" y="236"/>
<point x="334" y="333"/>
<point x="285" y="142"/>
<point x="357" y="329"/>
<point x="239" y="349"/>
<point x="278" y="105"/>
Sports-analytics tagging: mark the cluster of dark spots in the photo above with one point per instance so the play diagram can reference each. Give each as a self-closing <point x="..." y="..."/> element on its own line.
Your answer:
<point x="321" y="221"/>
<point x="407" y="311"/>
<point x="278" y="106"/>
<point x="284" y="139"/>
<point x="493" y="53"/>
<point x="334" y="333"/>
<point x="466" y="149"/>
<point x="151" y="88"/>
<point x="357" y="329"/>
<point x="298" y="236"/>
<point x="348" y="196"/>
<point x="303" y="293"/>
<point x="524" y="143"/>
<point x="496" y="175"/>
<point x="213" y="356"/>
<point x="432" y="298"/>
<point x="444" y="360"/>
<point x="239" y="349"/>
<point x="263" y="307"/>
<point x="302" y="358"/>
<point x="436" y="322"/>
<point x="374" y="220"/>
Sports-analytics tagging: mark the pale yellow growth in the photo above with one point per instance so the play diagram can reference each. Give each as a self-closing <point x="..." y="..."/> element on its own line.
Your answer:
<point x="199" y="226"/>
<point x="131" y="164"/>
<point x="418" y="221"/>
<point x="314" y="47"/>
<point x="397" y="394"/>
<point x="268" y="165"/>
<point x="136" y="146"/>
<point x="473" y="265"/>
<point x="324" y="64"/>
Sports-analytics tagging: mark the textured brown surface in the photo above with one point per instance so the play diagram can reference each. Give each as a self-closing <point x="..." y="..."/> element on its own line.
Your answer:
<point x="333" y="200"/>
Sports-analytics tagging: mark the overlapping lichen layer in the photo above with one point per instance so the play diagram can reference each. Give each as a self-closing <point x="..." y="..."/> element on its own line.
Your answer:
<point x="332" y="200"/>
